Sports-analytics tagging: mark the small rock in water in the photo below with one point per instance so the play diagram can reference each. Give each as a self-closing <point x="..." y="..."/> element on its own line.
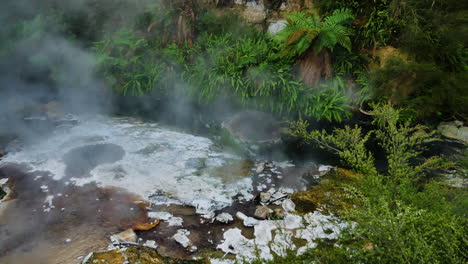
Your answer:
<point x="125" y="236"/>
<point x="288" y="205"/>
<point x="248" y="221"/>
<point x="182" y="237"/>
<point x="262" y="212"/>
<point x="277" y="197"/>
<point x="150" y="244"/>
<point x="265" y="197"/>
<point x="224" y="218"/>
<point x="260" y="167"/>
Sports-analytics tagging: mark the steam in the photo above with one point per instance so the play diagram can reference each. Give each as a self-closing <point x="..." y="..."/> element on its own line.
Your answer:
<point x="41" y="61"/>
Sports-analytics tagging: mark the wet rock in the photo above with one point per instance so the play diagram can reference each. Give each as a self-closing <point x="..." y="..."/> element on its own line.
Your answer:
<point x="265" y="197"/>
<point x="277" y="197"/>
<point x="125" y="236"/>
<point x="454" y="130"/>
<point x="324" y="169"/>
<point x="224" y="218"/>
<point x="150" y="244"/>
<point x="260" y="167"/>
<point x="167" y="217"/>
<point x="262" y="212"/>
<point x="146" y="226"/>
<point x="181" y="237"/>
<point x="247" y="220"/>
<point x="288" y="205"/>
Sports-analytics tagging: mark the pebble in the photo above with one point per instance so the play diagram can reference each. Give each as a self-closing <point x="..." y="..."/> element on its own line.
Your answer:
<point x="288" y="205"/>
<point x="262" y="212"/>
<point x="265" y="197"/>
<point x="224" y="218"/>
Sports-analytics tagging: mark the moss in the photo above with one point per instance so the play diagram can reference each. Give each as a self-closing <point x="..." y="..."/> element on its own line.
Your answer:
<point x="136" y="255"/>
<point x="334" y="194"/>
<point x="140" y="255"/>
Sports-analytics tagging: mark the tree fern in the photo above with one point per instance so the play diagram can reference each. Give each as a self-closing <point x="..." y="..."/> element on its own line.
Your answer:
<point x="307" y="30"/>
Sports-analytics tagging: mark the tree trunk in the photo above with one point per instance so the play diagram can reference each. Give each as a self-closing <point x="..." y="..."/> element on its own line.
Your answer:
<point x="314" y="67"/>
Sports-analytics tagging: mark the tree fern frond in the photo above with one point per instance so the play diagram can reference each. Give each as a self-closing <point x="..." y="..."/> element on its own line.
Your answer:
<point x="305" y="29"/>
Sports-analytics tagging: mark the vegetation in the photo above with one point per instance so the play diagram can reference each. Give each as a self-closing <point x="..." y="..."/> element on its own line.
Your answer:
<point x="403" y="217"/>
<point x="432" y="36"/>
<point x="305" y="30"/>
<point x="406" y="60"/>
<point x="240" y="64"/>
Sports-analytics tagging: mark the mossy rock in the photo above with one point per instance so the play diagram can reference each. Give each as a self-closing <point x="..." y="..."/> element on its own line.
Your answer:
<point x="333" y="194"/>
<point x="135" y="255"/>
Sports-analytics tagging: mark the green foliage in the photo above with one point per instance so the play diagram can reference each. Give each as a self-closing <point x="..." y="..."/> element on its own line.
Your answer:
<point x="306" y="29"/>
<point x="421" y="86"/>
<point x="377" y="21"/>
<point x="243" y="67"/>
<point x="126" y="63"/>
<point x="400" y="220"/>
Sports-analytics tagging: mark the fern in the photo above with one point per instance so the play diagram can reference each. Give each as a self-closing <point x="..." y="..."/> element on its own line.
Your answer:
<point x="305" y="30"/>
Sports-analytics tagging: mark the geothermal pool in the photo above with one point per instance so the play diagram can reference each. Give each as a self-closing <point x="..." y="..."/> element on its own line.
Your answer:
<point x="88" y="181"/>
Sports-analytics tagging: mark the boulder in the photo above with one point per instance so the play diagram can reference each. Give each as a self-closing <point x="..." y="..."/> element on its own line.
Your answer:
<point x="454" y="130"/>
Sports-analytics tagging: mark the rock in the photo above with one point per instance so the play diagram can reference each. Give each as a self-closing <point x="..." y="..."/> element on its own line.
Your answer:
<point x="150" y="244"/>
<point x="247" y="220"/>
<point x="260" y="167"/>
<point x="324" y="169"/>
<point x="146" y="226"/>
<point x="454" y="130"/>
<point x="265" y="197"/>
<point x="254" y="13"/>
<point x="288" y="205"/>
<point x="167" y="217"/>
<point x="125" y="236"/>
<point x="181" y="237"/>
<point x="277" y="26"/>
<point x="262" y="212"/>
<point x="277" y="197"/>
<point x="224" y="218"/>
